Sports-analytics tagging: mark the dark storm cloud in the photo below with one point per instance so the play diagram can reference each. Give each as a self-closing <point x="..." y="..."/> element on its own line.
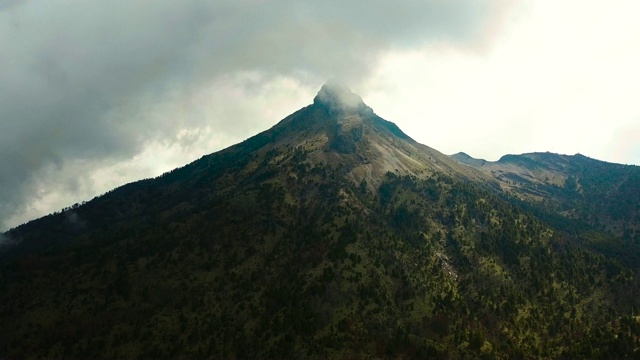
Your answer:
<point x="78" y="76"/>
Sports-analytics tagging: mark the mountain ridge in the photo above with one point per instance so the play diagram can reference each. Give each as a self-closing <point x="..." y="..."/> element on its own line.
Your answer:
<point x="600" y="193"/>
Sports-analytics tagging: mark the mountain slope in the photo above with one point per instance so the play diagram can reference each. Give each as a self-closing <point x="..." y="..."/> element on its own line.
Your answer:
<point x="342" y="135"/>
<point x="601" y="194"/>
<point x="331" y="235"/>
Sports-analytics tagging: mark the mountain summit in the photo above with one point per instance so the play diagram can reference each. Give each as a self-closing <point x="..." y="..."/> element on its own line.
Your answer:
<point x="338" y="98"/>
<point x="334" y="234"/>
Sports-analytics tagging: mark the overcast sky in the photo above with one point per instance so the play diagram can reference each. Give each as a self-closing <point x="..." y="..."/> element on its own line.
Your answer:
<point x="95" y="94"/>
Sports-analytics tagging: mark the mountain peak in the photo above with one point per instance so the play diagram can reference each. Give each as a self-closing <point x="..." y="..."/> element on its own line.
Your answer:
<point x="339" y="98"/>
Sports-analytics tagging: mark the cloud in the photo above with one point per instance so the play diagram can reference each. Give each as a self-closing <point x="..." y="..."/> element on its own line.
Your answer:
<point x="6" y="4"/>
<point x="559" y="77"/>
<point x="337" y="97"/>
<point x="87" y="81"/>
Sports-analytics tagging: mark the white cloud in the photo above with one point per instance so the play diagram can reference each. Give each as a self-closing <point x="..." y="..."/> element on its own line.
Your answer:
<point x="559" y="76"/>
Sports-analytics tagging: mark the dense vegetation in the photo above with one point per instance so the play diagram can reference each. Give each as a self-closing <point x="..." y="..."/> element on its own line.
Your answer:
<point x="319" y="267"/>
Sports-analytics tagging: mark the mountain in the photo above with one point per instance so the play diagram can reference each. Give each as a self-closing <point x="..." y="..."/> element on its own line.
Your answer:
<point x="331" y="235"/>
<point x="601" y="194"/>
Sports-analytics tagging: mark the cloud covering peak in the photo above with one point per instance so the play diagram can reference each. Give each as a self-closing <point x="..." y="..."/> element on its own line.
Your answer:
<point x="338" y="97"/>
<point x="87" y="83"/>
